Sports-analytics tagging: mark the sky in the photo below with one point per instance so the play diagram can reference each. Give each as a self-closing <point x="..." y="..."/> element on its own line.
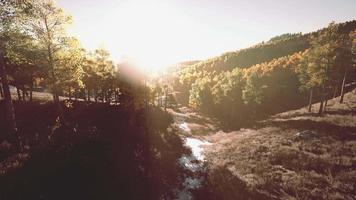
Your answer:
<point x="157" y="33"/>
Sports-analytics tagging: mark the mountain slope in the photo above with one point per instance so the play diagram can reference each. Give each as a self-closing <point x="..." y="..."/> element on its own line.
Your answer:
<point x="276" y="47"/>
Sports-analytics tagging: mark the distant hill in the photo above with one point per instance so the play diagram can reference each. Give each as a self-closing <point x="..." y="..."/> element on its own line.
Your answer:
<point x="188" y="63"/>
<point x="181" y="65"/>
<point x="259" y="53"/>
<point x="279" y="46"/>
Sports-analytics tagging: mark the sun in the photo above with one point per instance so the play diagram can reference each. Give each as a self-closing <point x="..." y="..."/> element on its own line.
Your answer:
<point x="150" y="34"/>
<point x="153" y="33"/>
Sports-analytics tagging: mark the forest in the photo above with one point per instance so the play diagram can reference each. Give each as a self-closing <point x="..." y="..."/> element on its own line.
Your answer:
<point x="291" y="70"/>
<point x="275" y="120"/>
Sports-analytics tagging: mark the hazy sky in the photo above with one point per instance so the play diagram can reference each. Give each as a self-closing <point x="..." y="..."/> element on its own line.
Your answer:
<point x="161" y="32"/>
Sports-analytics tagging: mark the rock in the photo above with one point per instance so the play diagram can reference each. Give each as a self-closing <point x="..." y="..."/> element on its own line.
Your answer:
<point x="305" y="135"/>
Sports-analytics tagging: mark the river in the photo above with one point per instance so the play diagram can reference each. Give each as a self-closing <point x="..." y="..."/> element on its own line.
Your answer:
<point x="193" y="163"/>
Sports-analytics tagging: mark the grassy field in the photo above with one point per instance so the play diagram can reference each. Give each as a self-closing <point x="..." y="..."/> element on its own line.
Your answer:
<point x="41" y="97"/>
<point x="292" y="155"/>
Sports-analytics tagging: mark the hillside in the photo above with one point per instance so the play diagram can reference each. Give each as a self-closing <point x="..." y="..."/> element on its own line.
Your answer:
<point x="276" y="47"/>
<point x="271" y="77"/>
<point x="259" y="53"/>
<point x="292" y="155"/>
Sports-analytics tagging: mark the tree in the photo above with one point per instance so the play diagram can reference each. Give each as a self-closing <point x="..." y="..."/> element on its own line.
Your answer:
<point x="48" y="27"/>
<point x="155" y="92"/>
<point x="24" y="60"/>
<point x="350" y="44"/>
<point x="100" y="75"/>
<point x="227" y="96"/>
<point x="252" y="93"/>
<point x="11" y="13"/>
<point x="70" y="66"/>
<point x="320" y="70"/>
<point x="305" y="78"/>
<point x="200" y="94"/>
<point x="104" y="68"/>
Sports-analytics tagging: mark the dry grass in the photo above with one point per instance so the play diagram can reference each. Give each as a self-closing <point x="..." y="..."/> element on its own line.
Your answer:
<point x="293" y="155"/>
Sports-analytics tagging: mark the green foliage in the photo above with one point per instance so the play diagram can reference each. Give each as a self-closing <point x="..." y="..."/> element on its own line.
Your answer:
<point x="323" y="65"/>
<point x="48" y="28"/>
<point x="70" y="65"/>
<point x="40" y="52"/>
<point x="253" y="91"/>
<point x="228" y="86"/>
<point x="200" y="94"/>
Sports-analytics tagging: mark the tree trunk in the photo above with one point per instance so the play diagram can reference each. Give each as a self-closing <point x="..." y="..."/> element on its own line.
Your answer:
<point x="95" y="95"/>
<point x="23" y="94"/>
<point x="342" y="93"/>
<point x="321" y="107"/>
<point x="9" y="107"/>
<point x="165" y="102"/>
<point x="31" y="91"/>
<point x="115" y="96"/>
<point x="54" y="86"/>
<point x="85" y="94"/>
<point x="70" y="93"/>
<point x="1" y="91"/>
<point x="89" y="95"/>
<point x="51" y="64"/>
<point x="310" y="100"/>
<point x="104" y="96"/>
<point x="76" y="95"/>
<point x="53" y="75"/>
<point x="335" y="92"/>
<point x="31" y="87"/>
<point x="322" y="97"/>
<point x="18" y="93"/>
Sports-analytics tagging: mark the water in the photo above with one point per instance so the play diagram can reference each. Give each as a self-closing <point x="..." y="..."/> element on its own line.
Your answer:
<point x="197" y="147"/>
<point x="193" y="163"/>
<point x="184" y="127"/>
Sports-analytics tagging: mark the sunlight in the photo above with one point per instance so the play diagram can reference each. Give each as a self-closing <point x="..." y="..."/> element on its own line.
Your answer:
<point x="149" y="34"/>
